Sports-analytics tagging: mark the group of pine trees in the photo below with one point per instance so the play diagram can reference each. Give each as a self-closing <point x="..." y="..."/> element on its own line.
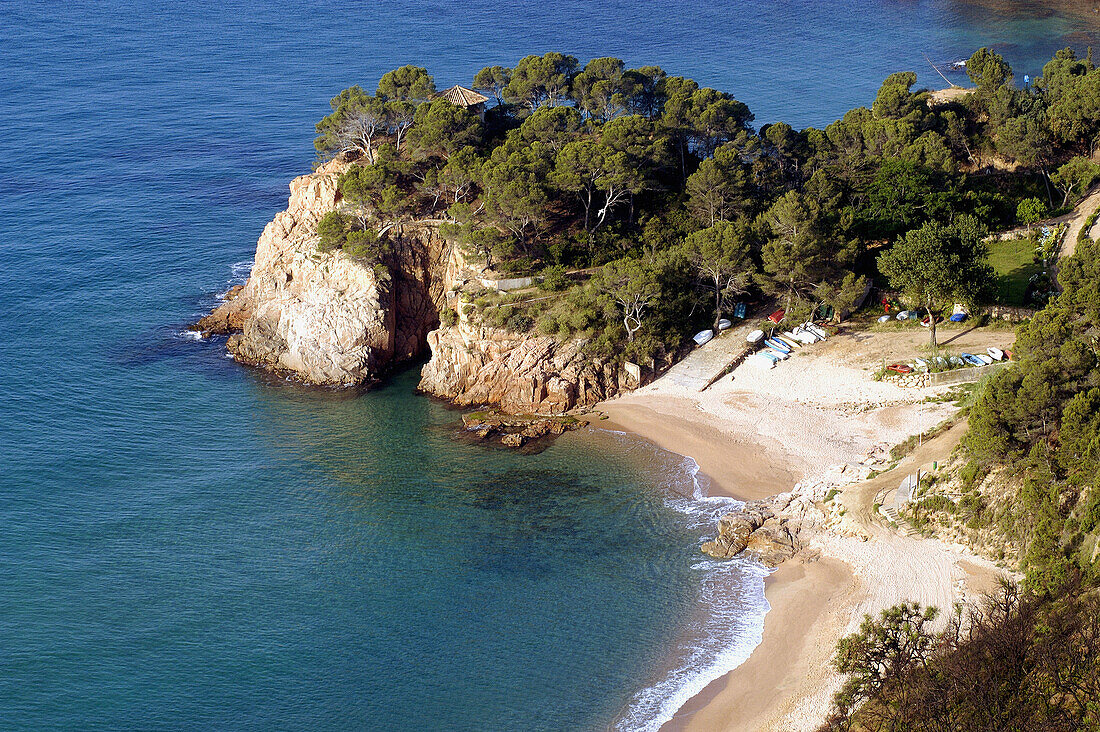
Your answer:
<point x="685" y="206"/>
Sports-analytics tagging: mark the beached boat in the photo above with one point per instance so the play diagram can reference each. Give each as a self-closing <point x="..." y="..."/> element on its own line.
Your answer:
<point x="777" y="345"/>
<point x="791" y="342"/>
<point x="776" y="316"/>
<point x="923" y="362"/>
<point x="755" y="337"/>
<point x="884" y="319"/>
<point x="940" y="362"/>
<point x="703" y="336"/>
<point x="903" y="315"/>
<point x="995" y="353"/>
<point x="817" y="330"/>
<point x="985" y="359"/>
<point x="723" y="324"/>
<point x="789" y="335"/>
<point x="900" y="368"/>
<point x="971" y="359"/>
<point x="804" y="336"/>
<point x="781" y="355"/>
<point x="1008" y="354"/>
<point x="761" y="360"/>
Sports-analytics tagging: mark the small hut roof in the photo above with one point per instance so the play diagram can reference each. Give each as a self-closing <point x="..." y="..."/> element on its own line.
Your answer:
<point x="460" y="96"/>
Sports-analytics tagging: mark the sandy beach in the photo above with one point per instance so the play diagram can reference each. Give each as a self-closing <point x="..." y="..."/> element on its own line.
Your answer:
<point x="758" y="433"/>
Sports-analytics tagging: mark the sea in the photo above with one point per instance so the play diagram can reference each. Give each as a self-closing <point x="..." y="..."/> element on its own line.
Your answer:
<point x="188" y="544"/>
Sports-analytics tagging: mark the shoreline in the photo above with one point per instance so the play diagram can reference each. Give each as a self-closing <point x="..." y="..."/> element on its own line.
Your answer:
<point x="754" y="436"/>
<point x="801" y="592"/>
<point x="732" y="469"/>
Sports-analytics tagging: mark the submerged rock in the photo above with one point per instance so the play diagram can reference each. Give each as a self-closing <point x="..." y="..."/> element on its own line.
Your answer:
<point x="516" y="431"/>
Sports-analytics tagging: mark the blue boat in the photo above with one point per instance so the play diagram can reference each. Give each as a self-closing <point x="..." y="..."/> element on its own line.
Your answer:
<point x="778" y="345"/>
<point x="971" y="359"/>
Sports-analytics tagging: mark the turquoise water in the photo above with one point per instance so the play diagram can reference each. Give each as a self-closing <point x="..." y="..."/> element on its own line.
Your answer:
<point x="188" y="544"/>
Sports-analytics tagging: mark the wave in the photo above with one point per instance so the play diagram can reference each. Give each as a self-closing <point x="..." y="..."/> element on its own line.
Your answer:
<point x="730" y="623"/>
<point x="238" y="275"/>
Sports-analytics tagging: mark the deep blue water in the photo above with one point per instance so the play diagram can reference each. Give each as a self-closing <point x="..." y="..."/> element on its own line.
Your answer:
<point x="187" y="544"/>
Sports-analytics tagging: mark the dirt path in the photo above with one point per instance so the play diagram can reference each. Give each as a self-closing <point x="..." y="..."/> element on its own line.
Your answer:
<point x="1076" y="220"/>
<point x="859" y="499"/>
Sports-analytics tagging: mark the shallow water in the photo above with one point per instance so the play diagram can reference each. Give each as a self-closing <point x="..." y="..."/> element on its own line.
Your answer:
<point x="185" y="543"/>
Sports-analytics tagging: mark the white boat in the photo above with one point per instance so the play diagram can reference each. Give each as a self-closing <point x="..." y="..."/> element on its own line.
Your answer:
<point x="804" y="336"/>
<point x="778" y="354"/>
<point x="903" y="315"/>
<point x="995" y="353"/>
<point x="923" y="363"/>
<point x="723" y="324"/>
<point x="985" y="359"/>
<point x="755" y="337"/>
<point x="761" y="360"/>
<point x="703" y="336"/>
<point x="816" y="330"/>
<point x="884" y="319"/>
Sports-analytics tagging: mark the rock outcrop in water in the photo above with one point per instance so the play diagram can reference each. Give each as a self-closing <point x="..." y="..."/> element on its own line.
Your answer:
<point x="328" y="318"/>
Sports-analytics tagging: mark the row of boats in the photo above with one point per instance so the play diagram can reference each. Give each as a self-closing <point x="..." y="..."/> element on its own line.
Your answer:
<point x="991" y="355"/>
<point x="776" y="348"/>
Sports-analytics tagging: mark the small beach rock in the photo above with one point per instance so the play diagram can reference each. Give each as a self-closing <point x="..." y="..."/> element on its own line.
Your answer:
<point x="773" y="544"/>
<point x="513" y="440"/>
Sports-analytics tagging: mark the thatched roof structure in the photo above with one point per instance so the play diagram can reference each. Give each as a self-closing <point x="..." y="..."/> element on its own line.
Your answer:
<point x="460" y="96"/>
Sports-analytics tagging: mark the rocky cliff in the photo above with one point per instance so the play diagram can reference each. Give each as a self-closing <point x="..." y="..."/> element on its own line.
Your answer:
<point x="333" y="320"/>
<point x="520" y="373"/>
<point x="328" y="318"/>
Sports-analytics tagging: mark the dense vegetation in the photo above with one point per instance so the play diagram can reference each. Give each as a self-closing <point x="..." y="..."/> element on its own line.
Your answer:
<point x="1027" y="659"/>
<point x="1013" y="662"/>
<point x="683" y="205"/>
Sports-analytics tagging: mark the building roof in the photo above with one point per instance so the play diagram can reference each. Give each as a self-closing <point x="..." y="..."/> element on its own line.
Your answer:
<point x="460" y="96"/>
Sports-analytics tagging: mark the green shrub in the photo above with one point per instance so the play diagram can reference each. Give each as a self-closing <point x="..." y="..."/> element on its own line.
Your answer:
<point x="554" y="279"/>
<point x="519" y="323"/>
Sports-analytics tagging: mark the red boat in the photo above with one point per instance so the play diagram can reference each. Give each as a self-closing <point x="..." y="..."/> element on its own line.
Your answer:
<point x="900" y="368"/>
<point x="776" y="316"/>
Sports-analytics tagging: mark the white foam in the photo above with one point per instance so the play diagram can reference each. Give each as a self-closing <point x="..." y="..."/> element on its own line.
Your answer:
<point x="731" y="595"/>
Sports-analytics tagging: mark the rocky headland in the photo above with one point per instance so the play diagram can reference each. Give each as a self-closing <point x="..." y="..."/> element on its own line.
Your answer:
<point x="330" y="319"/>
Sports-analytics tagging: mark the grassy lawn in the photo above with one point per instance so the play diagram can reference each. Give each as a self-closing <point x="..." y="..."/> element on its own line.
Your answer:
<point x="1014" y="263"/>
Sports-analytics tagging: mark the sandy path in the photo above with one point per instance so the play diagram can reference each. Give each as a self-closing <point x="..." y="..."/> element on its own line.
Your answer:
<point x="1076" y="221"/>
<point x="788" y="683"/>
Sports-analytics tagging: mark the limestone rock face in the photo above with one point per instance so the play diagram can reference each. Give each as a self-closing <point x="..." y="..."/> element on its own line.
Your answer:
<point x="328" y="318"/>
<point x="519" y="373"/>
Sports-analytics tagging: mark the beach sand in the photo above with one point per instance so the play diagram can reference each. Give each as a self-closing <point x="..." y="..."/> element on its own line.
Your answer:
<point x="798" y="640"/>
<point x="760" y="432"/>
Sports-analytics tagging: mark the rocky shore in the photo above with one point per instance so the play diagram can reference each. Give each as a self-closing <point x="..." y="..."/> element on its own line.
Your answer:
<point x="774" y="529"/>
<point x="517" y="430"/>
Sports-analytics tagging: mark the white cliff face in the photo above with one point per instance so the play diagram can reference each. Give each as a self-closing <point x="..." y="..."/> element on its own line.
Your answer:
<point x="327" y="318"/>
